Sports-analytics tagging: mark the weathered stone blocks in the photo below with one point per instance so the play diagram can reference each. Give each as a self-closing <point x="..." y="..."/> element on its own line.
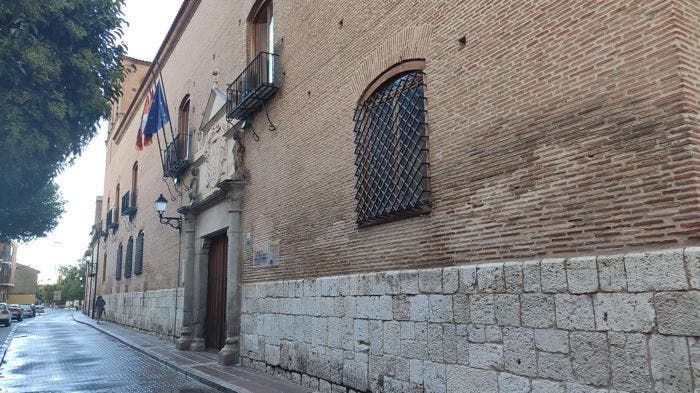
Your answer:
<point x="537" y="310"/>
<point x="519" y="351"/>
<point x="629" y="362"/>
<point x="655" y="271"/>
<point x="582" y="275"/>
<point x="511" y="383"/>
<point x="590" y="357"/>
<point x="584" y="324"/>
<point x="574" y="312"/>
<point x="678" y="313"/>
<point x="553" y="275"/>
<point x="462" y="379"/>
<point x="552" y="340"/>
<point x="670" y="363"/>
<point x="627" y="312"/>
<point x="692" y="258"/>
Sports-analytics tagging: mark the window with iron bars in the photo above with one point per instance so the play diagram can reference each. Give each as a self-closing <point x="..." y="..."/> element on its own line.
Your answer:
<point x="138" y="254"/>
<point x="118" y="263"/>
<point x="391" y="151"/>
<point x="128" y="258"/>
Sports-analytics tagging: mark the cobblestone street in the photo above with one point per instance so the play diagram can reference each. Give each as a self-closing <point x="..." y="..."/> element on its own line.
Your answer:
<point x="53" y="353"/>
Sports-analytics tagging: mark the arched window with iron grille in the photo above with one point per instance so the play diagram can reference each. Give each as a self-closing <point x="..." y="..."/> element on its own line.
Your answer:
<point x="391" y="149"/>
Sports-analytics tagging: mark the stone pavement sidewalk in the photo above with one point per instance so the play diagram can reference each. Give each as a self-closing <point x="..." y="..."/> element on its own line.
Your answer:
<point x="198" y="365"/>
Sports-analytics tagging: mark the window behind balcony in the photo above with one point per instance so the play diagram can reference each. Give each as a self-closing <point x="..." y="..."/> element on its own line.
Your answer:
<point x="134" y="183"/>
<point x="116" y="205"/>
<point x="262" y="40"/>
<point x="391" y="153"/>
<point x="262" y="29"/>
<point x="183" y="129"/>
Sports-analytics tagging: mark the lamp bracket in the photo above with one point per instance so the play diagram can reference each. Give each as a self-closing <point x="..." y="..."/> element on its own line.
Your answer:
<point x="175" y="222"/>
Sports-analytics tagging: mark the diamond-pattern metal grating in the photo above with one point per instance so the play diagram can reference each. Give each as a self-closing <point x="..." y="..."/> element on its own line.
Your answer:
<point x="391" y="151"/>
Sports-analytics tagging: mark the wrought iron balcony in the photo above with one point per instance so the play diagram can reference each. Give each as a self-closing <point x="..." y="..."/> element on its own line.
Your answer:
<point x="6" y="252"/>
<point x="5" y="273"/>
<point x="255" y="85"/>
<point x="127" y="209"/>
<point x="177" y="155"/>
<point x="111" y="221"/>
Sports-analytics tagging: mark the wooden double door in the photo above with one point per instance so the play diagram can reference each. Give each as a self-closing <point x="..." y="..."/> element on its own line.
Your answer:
<point x="215" y="320"/>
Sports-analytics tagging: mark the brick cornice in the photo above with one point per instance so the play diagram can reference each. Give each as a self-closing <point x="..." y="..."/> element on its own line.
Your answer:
<point x="182" y="19"/>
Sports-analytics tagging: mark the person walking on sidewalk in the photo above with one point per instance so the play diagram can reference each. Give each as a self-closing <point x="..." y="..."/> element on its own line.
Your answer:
<point x="99" y="307"/>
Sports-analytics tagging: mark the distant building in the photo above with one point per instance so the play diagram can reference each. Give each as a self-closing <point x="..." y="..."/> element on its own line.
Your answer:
<point x="24" y="291"/>
<point x="8" y="263"/>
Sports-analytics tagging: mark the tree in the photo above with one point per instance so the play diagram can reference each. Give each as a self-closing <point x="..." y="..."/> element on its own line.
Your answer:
<point x="45" y="293"/>
<point x="70" y="283"/>
<point x="60" y="66"/>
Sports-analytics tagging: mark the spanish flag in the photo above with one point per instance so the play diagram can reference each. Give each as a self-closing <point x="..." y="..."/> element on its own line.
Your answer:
<point x="141" y="140"/>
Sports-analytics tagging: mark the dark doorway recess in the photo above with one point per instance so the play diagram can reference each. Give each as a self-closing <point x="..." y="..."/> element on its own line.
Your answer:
<point x="215" y="321"/>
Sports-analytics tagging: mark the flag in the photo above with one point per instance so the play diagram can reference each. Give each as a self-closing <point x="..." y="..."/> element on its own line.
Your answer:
<point x="141" y="141"/>
<point x="158" y="115"/>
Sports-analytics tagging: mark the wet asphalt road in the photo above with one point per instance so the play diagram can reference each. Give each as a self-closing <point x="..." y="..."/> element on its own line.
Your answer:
<point x="53" y="353"/>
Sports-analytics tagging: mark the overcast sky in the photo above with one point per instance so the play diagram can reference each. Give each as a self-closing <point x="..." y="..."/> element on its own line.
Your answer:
<point x="81" y="183"/>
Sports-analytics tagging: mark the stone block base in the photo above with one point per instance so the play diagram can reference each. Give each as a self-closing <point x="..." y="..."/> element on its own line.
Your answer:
<point x="156" y="312"/>
<point x="621" y="322"/>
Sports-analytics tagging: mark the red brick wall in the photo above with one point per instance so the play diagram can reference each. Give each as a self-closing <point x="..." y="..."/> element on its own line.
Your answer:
<point x="559" y="128"/>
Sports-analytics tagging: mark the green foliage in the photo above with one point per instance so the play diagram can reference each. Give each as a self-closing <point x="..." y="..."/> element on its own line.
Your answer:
<point x="69" y="283"/>
<point x="60" y="66"/>
<point x="45" y="293"/>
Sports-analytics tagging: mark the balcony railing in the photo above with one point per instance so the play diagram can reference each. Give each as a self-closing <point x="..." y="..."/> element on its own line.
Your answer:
<point x="5" y="273"/>
<point x="255" y="85"/>
<point x="6" y="252"/>
<point x="177" y="155"/>
<point x="111" y="221"/>
<point x="127" y="209"/>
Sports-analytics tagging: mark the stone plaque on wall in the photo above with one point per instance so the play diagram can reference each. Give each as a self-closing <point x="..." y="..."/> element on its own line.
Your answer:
<point x="267" y="253"/>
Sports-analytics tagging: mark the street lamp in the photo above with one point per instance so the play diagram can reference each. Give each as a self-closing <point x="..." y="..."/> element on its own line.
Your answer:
<point x="91" y="272"/>
<point x="161" y="204"/>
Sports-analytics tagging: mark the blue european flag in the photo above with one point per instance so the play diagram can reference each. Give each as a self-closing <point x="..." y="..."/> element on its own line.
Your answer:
<point x="158" y="115"/>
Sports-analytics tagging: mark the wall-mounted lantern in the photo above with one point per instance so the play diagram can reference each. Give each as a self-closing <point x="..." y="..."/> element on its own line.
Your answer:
<point x="161" y="204"/>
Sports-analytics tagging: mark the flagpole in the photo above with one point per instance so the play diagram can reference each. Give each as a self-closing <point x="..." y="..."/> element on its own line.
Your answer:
<point x="162" y="85"/>
<point x="160" y="151"/>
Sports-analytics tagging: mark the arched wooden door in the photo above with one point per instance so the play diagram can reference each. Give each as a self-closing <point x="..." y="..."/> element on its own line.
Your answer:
<point x="215" y="321"/>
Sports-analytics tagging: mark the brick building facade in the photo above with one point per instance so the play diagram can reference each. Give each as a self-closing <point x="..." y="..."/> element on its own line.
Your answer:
<point x="8" y="265"/>
<point x="435" y="196"/>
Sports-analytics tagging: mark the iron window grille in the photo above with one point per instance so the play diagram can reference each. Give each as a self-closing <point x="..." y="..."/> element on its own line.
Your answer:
<point x="118" y="264"/>
<point x="138" y="254"/>
<point x="391" y="152"/>
<point x="129" y="257"/>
